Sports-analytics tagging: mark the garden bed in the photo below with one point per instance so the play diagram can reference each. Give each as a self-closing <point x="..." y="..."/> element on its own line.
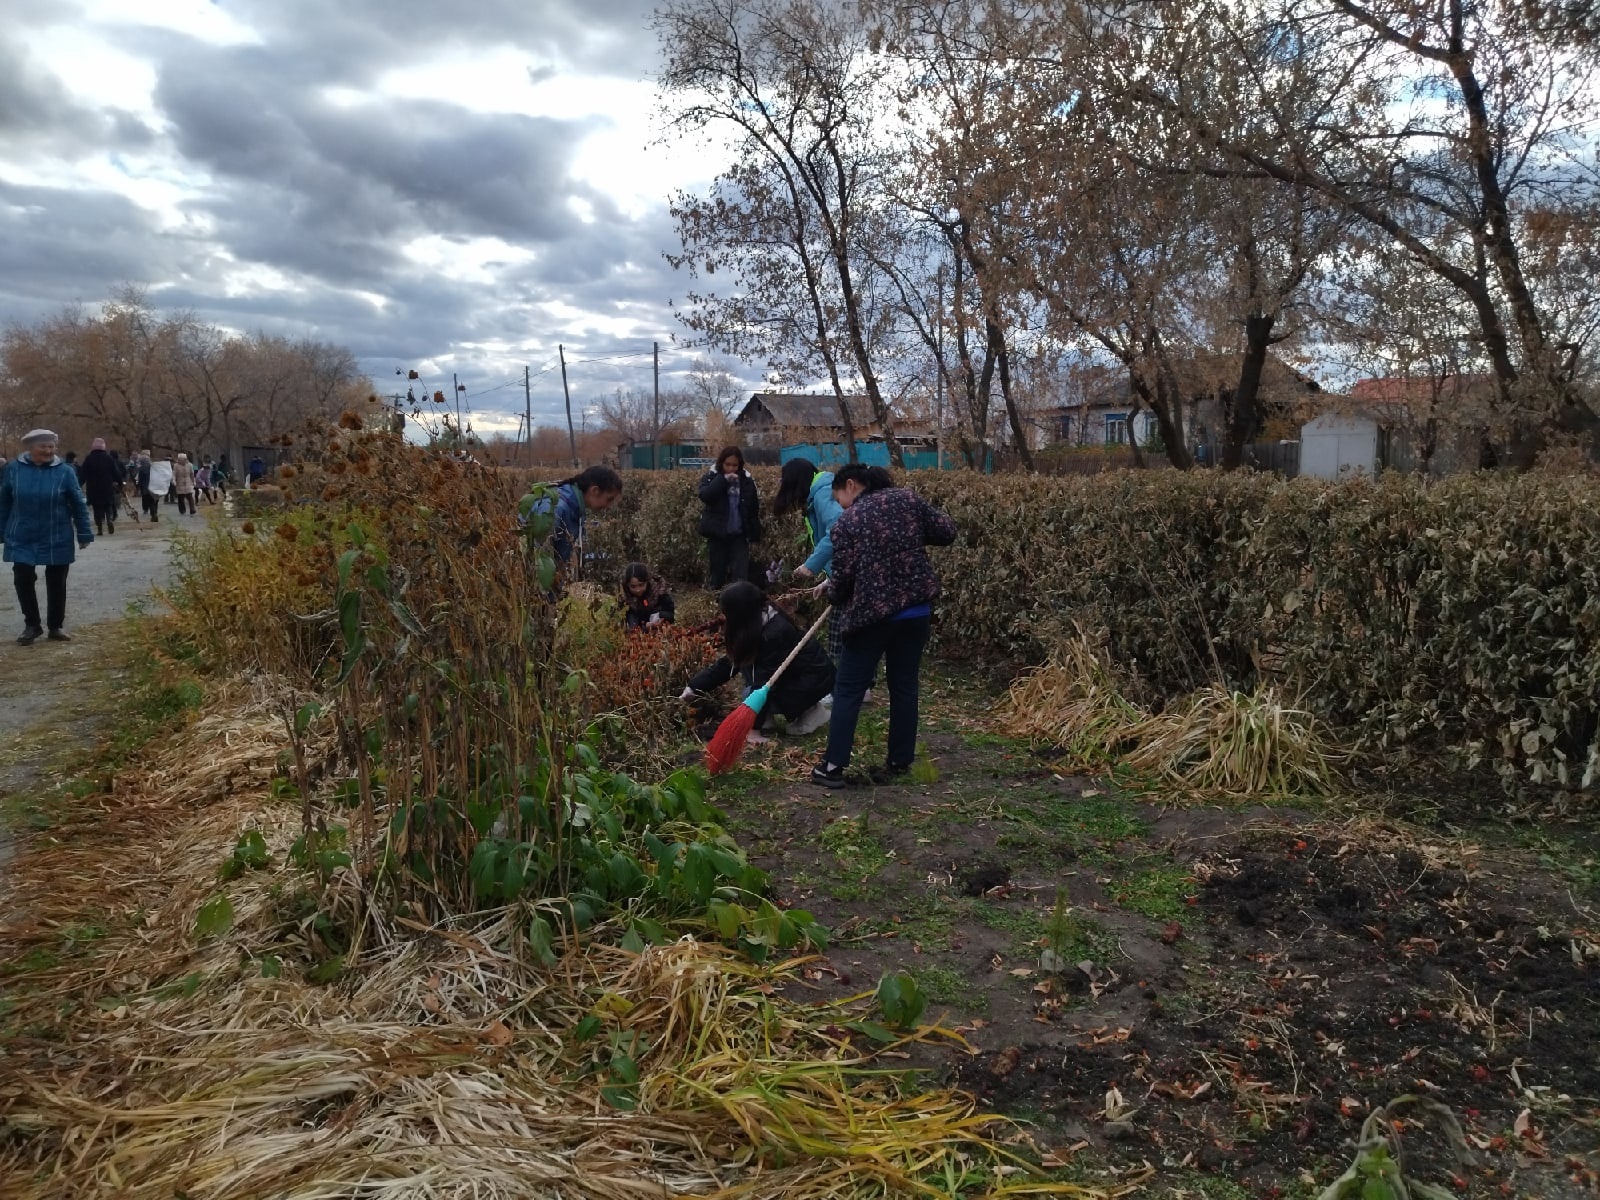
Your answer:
<point x="1257" y="979"/>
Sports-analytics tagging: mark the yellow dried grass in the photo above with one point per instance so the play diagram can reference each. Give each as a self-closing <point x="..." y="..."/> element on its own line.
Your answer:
<point x="1226" y="743"/>
<point x="443" y="1064"/>
<point x="1072" y="703"/>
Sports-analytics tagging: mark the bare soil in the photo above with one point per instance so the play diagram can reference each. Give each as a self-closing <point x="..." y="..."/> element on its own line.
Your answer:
<point x="1254" y="982"/>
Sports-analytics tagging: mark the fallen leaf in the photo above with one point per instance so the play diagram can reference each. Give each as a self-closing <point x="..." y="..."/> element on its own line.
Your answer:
<point x="497" y="1034"/>
<point x="1022" y="972"/>
<point x="1171" y="933"/>
<point x="1062" y="1157"/>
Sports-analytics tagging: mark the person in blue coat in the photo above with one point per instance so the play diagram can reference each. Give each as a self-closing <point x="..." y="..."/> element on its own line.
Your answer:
<point x="41" y="509"/>
<point x="801" y="484"/>
<point x="594" y="488"/>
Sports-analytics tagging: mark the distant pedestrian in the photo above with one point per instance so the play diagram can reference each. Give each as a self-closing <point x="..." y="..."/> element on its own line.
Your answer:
<point x="147" y="499"/>
<point x="732" y="517"/>
<point x="183" y="484"/>
<point x="42" y="514"/>
<point x="101" y="478"/>
<point x="256" y="472"/>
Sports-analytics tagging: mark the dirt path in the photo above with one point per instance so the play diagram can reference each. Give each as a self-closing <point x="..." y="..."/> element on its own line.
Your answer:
<point x="43" y="687"/>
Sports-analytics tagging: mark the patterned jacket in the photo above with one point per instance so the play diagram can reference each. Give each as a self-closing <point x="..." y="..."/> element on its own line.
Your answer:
<point x="880" y="564"/>
<point x="39" y="508"/>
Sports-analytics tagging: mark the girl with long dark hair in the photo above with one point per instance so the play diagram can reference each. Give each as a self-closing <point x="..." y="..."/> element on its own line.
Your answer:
<point x="593" y="489"/>
<point x="732" y="517"/>
<point x="758" y="636"/>
<point x="646" y="602"/>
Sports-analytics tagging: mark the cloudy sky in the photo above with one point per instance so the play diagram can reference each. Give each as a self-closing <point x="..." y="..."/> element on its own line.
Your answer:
<point x="446" y="186"/>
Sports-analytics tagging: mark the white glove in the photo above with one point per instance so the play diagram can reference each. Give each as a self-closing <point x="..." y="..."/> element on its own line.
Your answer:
<point x="655" y="619"/>
<point x="686" y="694"/>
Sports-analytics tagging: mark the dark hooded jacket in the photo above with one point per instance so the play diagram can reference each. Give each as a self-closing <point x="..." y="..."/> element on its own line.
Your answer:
<point x="714" y="495"/>
<point x="808" y="679"/>
<point x="101" y="477"/>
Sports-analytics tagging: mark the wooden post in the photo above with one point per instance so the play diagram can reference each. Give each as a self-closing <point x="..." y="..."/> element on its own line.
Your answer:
<point x="527" y="413"/>
<point x="572" y="438"/>
<point x="655" y="435"/>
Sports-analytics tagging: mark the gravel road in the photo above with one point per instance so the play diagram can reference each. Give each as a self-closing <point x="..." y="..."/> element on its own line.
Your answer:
<point x="41" y="685"/>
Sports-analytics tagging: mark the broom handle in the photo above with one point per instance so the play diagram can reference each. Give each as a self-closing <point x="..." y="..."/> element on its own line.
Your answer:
<point x="795" y="653"/>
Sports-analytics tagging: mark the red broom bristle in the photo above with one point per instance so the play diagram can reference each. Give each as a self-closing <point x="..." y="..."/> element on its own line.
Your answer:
<point x="725" y="746"/>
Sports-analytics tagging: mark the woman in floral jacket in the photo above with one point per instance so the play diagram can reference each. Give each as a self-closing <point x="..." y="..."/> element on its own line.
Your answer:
<point x="883" y="588"/>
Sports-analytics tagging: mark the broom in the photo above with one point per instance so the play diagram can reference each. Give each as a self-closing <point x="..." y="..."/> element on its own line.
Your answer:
<point x="725" y="746"/>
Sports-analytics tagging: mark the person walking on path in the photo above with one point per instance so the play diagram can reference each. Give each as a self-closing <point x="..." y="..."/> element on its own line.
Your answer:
<point x="41" y="509"/>
<point x="883" y="588"/>
<point x="101" y="478"/>
<point x="594" y="489"/>
<point x="183" y="484"/>
<point x="147" y="499"/>
<point x="732" y="517"/>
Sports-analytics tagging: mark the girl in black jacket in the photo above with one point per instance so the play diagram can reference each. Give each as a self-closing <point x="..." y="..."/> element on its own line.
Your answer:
<point x="732" y="517"/>
<point x="646" y="602"/>
<point x="759" y="637"/>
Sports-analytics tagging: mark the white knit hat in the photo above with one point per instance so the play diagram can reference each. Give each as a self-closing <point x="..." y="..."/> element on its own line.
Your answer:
<point x="39" y="435"/>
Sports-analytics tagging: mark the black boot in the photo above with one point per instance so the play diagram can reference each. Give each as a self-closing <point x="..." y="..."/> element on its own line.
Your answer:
<point x="30" y="635"/>
<point x="111" y="526"/>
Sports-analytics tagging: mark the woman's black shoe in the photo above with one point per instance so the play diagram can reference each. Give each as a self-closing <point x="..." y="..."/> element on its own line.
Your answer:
<point x="888" y="773"/>
<point x="30" y="635"/>
<point x="828" y="776"/>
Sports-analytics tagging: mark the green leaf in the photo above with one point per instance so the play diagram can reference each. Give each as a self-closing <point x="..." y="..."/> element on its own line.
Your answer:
<point x="271" y="967"/>
<point x="586" y="1029"/>
<point x="215" y="916"/>
<point x="304" y="715"/>
<point x="541" y="940"/>
<point x="632" y="942"/>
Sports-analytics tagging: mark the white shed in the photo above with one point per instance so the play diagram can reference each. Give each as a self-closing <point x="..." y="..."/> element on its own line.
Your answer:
<point x="1333" y="446"/>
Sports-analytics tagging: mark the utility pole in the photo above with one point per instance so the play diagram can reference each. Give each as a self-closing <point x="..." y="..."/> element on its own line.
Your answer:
<point x="455" y="385"/>
<point x="655" y="437"/>
<point x="572" y="438"/>
<point x="527" y="412"/>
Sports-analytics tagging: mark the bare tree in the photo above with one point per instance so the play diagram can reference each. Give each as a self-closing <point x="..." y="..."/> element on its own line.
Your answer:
<point x="798" y="87"/>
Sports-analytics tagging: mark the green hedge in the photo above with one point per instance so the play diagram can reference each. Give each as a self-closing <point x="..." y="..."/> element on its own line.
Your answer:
<point x="1462" y="613"/>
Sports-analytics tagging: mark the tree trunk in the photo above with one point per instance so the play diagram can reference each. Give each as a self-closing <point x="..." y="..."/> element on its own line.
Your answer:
<point x="997" y="351"/>
<point x="1245" y="418"/>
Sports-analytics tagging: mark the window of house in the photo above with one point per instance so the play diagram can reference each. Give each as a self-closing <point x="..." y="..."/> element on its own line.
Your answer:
<point x="1116" y="429"/>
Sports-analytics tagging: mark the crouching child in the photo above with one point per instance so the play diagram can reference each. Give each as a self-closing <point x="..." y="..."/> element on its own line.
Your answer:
<point x="758" y="637"/>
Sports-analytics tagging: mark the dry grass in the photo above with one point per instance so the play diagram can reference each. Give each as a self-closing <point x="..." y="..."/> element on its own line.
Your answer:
<point x="1073" y="703"/>
<point x="1226" y="743"/>
<point x="146" y="1063"/>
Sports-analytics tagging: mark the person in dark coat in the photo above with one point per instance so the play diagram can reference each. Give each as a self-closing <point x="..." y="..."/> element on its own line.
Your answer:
<point x="102" y="480"/>
<point x="148" y="500"/>
<point x="883" y="587"/>
<point x="41" y="509"/>
<point x="646" y="602"/>
<point x="759" y="636"/>
<point x="732" y="517"/>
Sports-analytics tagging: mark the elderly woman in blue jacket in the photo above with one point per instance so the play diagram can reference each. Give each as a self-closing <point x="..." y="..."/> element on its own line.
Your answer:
<point x="41" y="509"/>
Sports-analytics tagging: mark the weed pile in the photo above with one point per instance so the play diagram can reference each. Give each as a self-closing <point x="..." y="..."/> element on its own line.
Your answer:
<point x="1215" y="742"/>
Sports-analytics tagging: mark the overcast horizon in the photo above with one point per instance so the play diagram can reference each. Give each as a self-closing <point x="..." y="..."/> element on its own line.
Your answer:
<point x="437" y="189"/>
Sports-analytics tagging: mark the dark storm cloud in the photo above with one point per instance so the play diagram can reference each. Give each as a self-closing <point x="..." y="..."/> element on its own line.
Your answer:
<point x="328" y="194"/>
<point x="60" y="246"/>
<point x="37" y="111"/>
